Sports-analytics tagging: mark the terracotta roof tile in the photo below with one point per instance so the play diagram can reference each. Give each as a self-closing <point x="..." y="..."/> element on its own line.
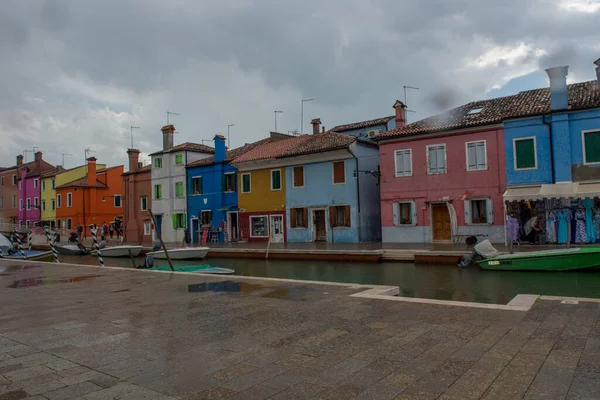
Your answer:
<point x="320" y="142"/>
<point x="36" y="169"/>
<point x="231" y="154"/>
<point x="82" y="182"/>
<point x="108" y="169"/>
<point x="188" y="146"/>
<point x="528" y="103"/>
<point x="146" y="168"/>
<point x="271" y="149"/>
<point x="362" y="124"/>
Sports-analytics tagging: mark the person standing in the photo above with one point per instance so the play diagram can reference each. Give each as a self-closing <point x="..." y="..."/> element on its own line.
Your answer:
<point x="111" y="230"/>
<point x="79" y="232"/>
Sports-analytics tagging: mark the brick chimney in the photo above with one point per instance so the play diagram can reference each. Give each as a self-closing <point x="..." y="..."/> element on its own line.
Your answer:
<point x="20" y="159"/>
<point x="91" y="172"/>
<point x="220" y="151"/>
<point x="400" y="108"/>
<point x="316" y="123"/>
<point x="597" y="62"/>
<point x="38" y="159"/>
<point x="168" y="131"/>
<point x="133" y="159"/>
<point x="559" y="98"/>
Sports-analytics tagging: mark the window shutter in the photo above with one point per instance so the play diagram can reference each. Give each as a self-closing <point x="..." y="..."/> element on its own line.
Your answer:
<point x="489" y="207"/>
<point x="407" y="160"/>
<point x="293" y="217"/>
<point x="174" y="218"/>
<point x="441" y="159"/>
<point x="332" y="217"/>
<point x="467" y="212"/>
<point x="223" y="183"/>
<point x="413" y="209"/>
<point x="200" y="185"/>
<point x="432" y="160"/>
<point x="305" y="215"/>
<point x="396" y="213"/>
<point x="480" y="151"/>
<point x="185" y="220"/>
<point x="471" y="156"/>
<point x="347" y="215"/>
<point x="400" y="163"/>
<point x="234" y="188"/>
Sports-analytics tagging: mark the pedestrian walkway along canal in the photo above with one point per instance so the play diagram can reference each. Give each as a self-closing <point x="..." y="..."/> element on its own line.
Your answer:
<point x="431" y="281"/>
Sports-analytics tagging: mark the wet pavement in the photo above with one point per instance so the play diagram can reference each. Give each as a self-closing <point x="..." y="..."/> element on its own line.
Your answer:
<point x="74" y="332"/>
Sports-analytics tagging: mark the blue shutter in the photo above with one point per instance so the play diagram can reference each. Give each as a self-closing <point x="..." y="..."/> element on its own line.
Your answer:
<point x="467" y="212"/>
<point x="471" y="156"/>
<point x="489" y="207"/>
<point x="441" y="159"/>
<point x="481" y="158"/>
<point x="432" y="160"/>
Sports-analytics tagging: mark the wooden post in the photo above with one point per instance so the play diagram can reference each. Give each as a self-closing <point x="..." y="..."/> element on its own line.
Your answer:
<point x="131" y="257"/>
<point x="29" y="239"/>
<point x="95" y="245"/>
<point x="20" y="244"/>
<point x="162" y="244"/>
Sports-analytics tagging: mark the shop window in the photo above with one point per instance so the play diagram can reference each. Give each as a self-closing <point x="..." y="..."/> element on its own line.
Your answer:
<point x="276" y="179"/>
<point x="339" y="172"/>
<point x="403" y="162"/>
<point x="298" y="176"/>
<point x="339" y="216"/>
<point x="229" y="183"/>
<point x="476" y="156"/>
<point x="196" y="185"/>
<point x="436" y="159"/>
<point x="405" y="213"/>
<point x="299" y="217"/>
<point x="591" y="147"/>
<point x="525" y="153"/>
<point x="206" y="218"/>
<point x="259" y="226"/>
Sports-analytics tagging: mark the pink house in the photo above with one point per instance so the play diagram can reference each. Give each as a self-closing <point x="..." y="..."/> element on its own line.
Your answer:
<point x="29" y="191"/>
<point x="443" y="177"/>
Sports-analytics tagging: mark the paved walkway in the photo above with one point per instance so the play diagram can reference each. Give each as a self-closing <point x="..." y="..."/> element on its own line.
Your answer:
<point x="90" y="333"/>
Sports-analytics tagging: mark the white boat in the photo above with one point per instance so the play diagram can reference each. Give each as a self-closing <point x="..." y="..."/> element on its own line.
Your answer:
<point x="184" y="253"/>
<point x="119" y="251"/>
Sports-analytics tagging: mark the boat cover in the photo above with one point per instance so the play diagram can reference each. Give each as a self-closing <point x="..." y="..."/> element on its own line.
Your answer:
<point x="485" y="249"/>
<point x="5" y="244"/>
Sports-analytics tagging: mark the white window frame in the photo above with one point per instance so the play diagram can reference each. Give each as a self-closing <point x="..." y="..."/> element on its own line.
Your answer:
<point x="233" y="186"/>
<point x="515" y="140"/>
<point x="445" y="158"/>
<point x="53" y="204"/>
<point x="20" y="185"/>
<point x="20" y="204"/>
<point x="142" y="203"/>
<point x="36" y="202"/>
<point x="583" y="146"/>
<point x="43" y="186"/>
<point x="280" y="179"/>
<point x="59" y="201"/>
<point x="193" y="193"/>
<point x="413" y="210"/>
<point x="294" y="177"/>
<point x="14" y="179"/>
<point x="489" y="213"/>
<point x="43" y="205"/>
<point x="268" y="225"/>
<point x="28" y="203"/>
<point x="467" y="156"/>
<point x="200" y="217"/>
<point x="120" y="201"/>
<point x="154" y="163"/>
<point x="69" y="200"/>
<point x="249" y="181"/>
<point x="147" y="229"/>
<point x="36" y="183"/>
<point x="333" y="172"/>
<point x="396" y="162"/>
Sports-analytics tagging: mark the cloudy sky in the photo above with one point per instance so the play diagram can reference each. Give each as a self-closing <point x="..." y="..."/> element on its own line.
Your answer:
<point x="76" y="74"/>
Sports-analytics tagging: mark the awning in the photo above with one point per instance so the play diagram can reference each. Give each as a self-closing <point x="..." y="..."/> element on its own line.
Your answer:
<point x="229" y="208"/>
<point x="567" y="190"/>
<point x="522" y="193"/>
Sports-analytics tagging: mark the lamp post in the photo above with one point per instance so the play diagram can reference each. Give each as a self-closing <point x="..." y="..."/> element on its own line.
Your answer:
<point x="277" y="112"/>
<point x="228" y="142"/>
<point x="302" y="114"/>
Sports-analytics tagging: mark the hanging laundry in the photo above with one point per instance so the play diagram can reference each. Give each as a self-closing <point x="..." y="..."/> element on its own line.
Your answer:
<point x="551" y="227"/>
<point x="597" y="223"/>
<point x="580" y="232"/>
<point x="512" y="228"/>
<point x="590" y="232"/>
<point x="564" y="220"/>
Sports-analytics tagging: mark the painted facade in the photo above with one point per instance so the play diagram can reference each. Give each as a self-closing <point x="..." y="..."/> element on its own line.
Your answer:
<point x="169" y="202"/>
<point x="137" y="186"/>
<point x="9" y="196"/>
<point x="366" y="130"/>
<point x="29" y="191"/>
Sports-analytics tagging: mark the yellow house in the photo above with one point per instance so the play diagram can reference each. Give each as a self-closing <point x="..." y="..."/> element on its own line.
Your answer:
<point x="54" y="178"/>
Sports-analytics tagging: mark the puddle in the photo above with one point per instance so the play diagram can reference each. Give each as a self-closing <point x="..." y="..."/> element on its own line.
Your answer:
<point x="31" y="282"/>
<point x="281" y="292"/>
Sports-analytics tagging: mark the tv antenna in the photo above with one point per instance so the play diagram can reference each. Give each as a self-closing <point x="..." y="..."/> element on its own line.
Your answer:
<point x="170" y="113"/>
<point x="63" y="158"/>
<point x="405" y="102"/>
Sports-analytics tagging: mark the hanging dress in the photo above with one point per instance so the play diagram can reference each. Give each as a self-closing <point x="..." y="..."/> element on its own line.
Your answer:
<point x="597" y="223"/>
<point x="590" y="232"/>
<point x="512" y="228"/>
<point x="564" y="218"/>
<point x="580" y="233"/>
<point x="551" y="227"/>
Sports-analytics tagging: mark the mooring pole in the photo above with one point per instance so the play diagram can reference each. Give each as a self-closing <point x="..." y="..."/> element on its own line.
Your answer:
<point x="52" y="245"/>
<point x="29" y="239"/>
<point x="20" y="244"/>
<point x="95" y="244"/>
<point x="161" y="241"/>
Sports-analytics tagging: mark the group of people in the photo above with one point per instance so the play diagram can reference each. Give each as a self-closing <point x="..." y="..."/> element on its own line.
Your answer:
<point x="105" y="230"/>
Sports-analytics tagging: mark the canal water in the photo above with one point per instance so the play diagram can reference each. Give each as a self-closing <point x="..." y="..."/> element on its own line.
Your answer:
<point x="431" y="281"/>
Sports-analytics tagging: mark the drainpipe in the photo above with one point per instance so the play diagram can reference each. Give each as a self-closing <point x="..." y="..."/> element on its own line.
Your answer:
<point x="551" y="150"/>
<point x="357" y="191"/>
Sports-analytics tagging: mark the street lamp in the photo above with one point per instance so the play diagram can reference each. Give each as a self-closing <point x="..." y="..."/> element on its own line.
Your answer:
<point x="277" y="112"/>
<point x="229" y="126"/>
<point x="302" y="114"/>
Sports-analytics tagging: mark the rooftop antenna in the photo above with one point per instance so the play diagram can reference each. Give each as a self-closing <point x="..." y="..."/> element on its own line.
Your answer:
<point x="170" y="113"/>
<point x="229" y="126"/>
<point x="132" y="128"/>
<point x="88" y="151"/>
<point x="63" y="157"/>
<point x="25" y="153"/>
<point x="405" y="103"/>
<point x="277" y="112"/>
<point x="206" y="140"/>
<point x="294" y="132"/>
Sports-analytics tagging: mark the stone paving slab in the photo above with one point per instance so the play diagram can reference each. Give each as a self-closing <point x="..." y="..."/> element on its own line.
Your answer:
<point x="129" y="334"/>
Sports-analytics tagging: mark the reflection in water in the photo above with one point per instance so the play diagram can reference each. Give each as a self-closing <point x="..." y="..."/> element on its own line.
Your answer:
<point x="433" y="281"/>
<point x="248" y="288"/>
<point x="30" y="282"/>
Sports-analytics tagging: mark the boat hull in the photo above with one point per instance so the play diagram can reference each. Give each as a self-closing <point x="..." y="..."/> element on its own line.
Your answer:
<point x="187" y="253"/>
<point x="553" y="260"/>
<point x="32" y="255"/>
<point x="71" y="250"/>
<point x="119" y="251"/>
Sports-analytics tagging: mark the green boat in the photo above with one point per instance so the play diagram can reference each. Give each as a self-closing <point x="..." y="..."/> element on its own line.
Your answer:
<point x="205" y="269"/>
<point x="547" y="260"/>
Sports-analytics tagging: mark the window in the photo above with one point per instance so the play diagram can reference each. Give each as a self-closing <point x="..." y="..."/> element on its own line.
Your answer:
<point x="14" y="200"/>
<point x="14" y="180"/>
<point x="476" y="156"/>
<point x="525" y="153"/>
<point x="158" y="192"/>
<point x="146" y="228"/>
<point x="29" y="204"/>
<point x="339" y="172"/>
<point x="52" y="204"/>
<point x="1" y="202"/>
<point x="339" y="216"/>
<point x="158" y="162"/>
<point x="246" y="183"/>
<point x="206" y="217"/>
<point x="117" y="201"/>
<point x="178" y="189"/>
<point x="179" y="221"/>
<point x="2" y="181"/>
<point x="196" y="185"/>
<point x="143" y="203"/>
<point x="69" y="223"/>
<point x="36" y="203"/>
<point x="229" y="183"/>
<point x="43" y="186"/>
<point x="405" y="213"/>
<point x="298" y="176"/>
<point x="69" y="199"/>
<point x="404" y="162"/>
<point x="591" y="147"/>
<point x="20" y="185"/>
<point x="299" y="217"/>
<point x="179" y="159"/>
<point x="475" y="110"/>
<point x="27" y="224"/>
<point x="36" y="183"/>
<point x="276" y="179"/>
<point x="373" y="133"/>
<point x="58" y="200"/>
<point x="20" y="204"/>
<point x="58" y="223"/>
<point x="20" y="223"/>
<point x="43" y="205"/>
<point x="436" y="159"/>
<point x="53" y="185"/>
<point x="479" y="211"/>
<point x="259" y="227"/>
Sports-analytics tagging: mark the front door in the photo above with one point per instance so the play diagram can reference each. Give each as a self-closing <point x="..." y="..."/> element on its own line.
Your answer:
<point x="319" y="225"/>
<point x="158" y="227"/>
<point x="276" y="228"/>
<point x="440" y="222"/>
<point x="232" y="221"/>
<point x="195" y="230"/>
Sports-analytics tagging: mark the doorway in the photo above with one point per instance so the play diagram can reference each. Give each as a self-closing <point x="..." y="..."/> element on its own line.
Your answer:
<point x="276" y="228"/>
<point x="440" y="223"/>
<point x="158" y="227"/>
<point x="232" y="226"/>
<point x="195" y="230"/>
<point x="319" y="225"/>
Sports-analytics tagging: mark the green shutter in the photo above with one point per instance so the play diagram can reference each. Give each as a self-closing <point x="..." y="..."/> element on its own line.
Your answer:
<point x="592" y="147"/>
<point x="174" y="218"/>
<point x="525" y="153"/>
<point x="184" y="221"/>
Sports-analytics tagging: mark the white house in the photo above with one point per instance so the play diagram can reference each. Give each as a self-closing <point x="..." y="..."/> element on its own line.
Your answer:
<point x="169" y="203"/>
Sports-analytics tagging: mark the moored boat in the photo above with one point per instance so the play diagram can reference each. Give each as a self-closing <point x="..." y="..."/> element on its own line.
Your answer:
<point x="30" y="255"/>
<point x="546" y="260"/>
<point x="184" y="253"/>
<point x="119" y="251"/>
<point x="72" y="250"/>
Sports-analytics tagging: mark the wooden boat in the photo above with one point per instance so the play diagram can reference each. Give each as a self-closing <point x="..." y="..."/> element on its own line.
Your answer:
<point x="184" y="253"/>
<point x="119" y="251"/>
<point x="205" y="269"/>
<point x="547" y="260"/>
<point x="30" y="255"/>
<point x="72" y="250"/>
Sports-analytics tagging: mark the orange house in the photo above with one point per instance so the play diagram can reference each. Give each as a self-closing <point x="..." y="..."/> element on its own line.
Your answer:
<point x="94" y="199"/>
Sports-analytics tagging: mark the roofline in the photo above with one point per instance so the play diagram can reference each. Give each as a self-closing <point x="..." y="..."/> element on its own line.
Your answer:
<point x="443" y="132"/>
<point x="564" y="110"/>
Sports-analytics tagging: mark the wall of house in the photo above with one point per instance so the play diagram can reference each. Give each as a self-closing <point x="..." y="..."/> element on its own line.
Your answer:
<point x="136" y="186"/>
<point x="47" y="195"/>
<point x="73" y="174"/>
<point x="29" y="191"/>
<point x="8" y="213"/>
<point x="363" y="133"/>
<point x="261" y="197"/>
<point x="370" y="208"/>
<point x="579" y="122"/>
<point x="455" y="186"/>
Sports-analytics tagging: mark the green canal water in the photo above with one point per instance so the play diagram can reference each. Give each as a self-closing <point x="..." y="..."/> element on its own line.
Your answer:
<point x="431" y="281"/>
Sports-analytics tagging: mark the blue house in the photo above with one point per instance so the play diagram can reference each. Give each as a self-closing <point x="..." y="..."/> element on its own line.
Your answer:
<point x="212" y="196"/>
<point x="367" y="130"/>
<point x="332" y="192"/>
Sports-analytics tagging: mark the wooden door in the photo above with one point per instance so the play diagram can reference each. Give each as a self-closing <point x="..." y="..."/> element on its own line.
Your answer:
<point x="441" y="222"/>
<point x="319" y="224"/>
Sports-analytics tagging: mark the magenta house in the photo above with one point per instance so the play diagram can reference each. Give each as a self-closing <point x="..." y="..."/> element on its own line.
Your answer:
<point x="29" y="191"/>
<point x="443" y="177"/>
